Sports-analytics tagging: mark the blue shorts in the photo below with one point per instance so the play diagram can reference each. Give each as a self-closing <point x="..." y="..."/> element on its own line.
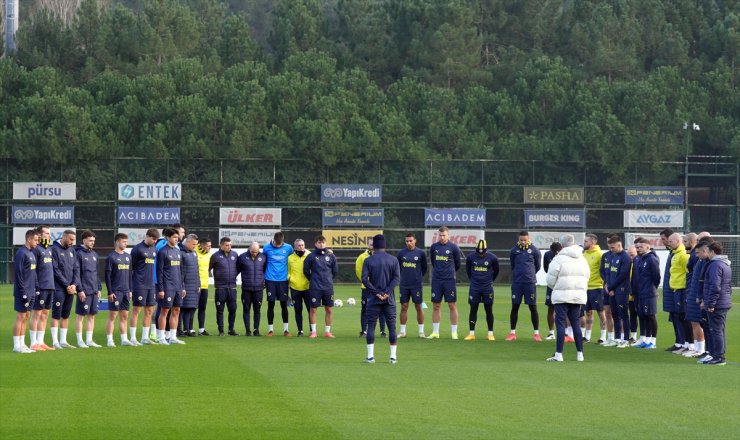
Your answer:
<point x="120" y="303"/>
<point x="594" y="298"/>
<point x="44" y="300"/>
<point x="679" y="301"/>
<point x="277" y="290"/>
<point x="61" y="306"/>
<point x="89" y="306"/>
<point x="526" y="291"/>
<point x="548" y="297"/>
<point x="411" y="294"/>
<point x="647" y="306"/>
<point x="171" y="299"/>
<point x="23" y="303"/>
<point x="322" y="297"/>
<point x="145" y="298"/>
<point x="480" y="297"/>
<point x="444" y="288"/>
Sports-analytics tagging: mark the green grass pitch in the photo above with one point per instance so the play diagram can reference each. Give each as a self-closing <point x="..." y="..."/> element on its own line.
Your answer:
<point x="239" y="387"/>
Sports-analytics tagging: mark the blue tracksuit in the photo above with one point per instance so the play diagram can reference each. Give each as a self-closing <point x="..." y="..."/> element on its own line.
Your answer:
<point x="525" y="263"/>
<point x="381" y="274"/>
<point x="413" y="267"/>
<point x="158" y="245"/>
<point x="446" y="261"/>
<point x="482" y="272"/>
<point x="44" y="267"/>
<point x="169" y="270"/>
<point x="321" y="268"/>
<point x="224" y="269"/>
<point x="190" y="279"/>
<point x="646" y="276"/>
<point x="25" y="283"/>
<point x="619" y="274"/>
<point x="693" y="311"/>
<point x="717" y="295"/>
<point x="253" y="270"/>
<point x="118" y="273"/>
<point x="142" y="267"/>
<point x="87" y="275"/>
<point x="669" y="303"/>
<point x="64" y="262"/>
<point x="277" y="261"/>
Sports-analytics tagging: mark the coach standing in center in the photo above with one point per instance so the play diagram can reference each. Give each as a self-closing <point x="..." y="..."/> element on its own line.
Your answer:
<point x="223" y="265"/>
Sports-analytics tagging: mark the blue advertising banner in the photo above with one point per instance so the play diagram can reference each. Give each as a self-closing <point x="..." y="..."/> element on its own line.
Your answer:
<point x="129" y="215"/>
<point x="455" y="217"/>
<point x="653" y="195"/>
<point x="555" y="218"/>
<point x="341" y="193"/>
<point x="353" y="217"/>
<point x="39" y="215"/>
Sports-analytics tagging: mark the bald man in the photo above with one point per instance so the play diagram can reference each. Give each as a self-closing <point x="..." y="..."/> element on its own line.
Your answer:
<point x="677" y="287"/>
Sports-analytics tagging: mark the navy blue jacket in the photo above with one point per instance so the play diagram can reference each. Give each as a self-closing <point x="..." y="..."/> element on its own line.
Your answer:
<point x="482" y="272"/>
<point x="252" y="271"/>
<point x="646" y="275"/>
<point x="697" y="280"/>
<point x="64" y="261"/>
<point x="547" y="259"/>
<point x="142" y="266"/>
<point x="169" y="269"/>
<point x="321" y="268"/>
<point x="381" y="274"/>
<point x="44" y="267"/>
<point x="605" y="261"/>
<point x="619" y="273"/>
<point x="635" y="275"/>
<point x="413" y="267"/>
<point x="190" y="279"/>
<point x="446" y="261"/>
<point x="224" y="269"/>
<point x="25" y="282"/>
<point x="717" y="292"/>
<point x="87" y="277"/>
<point x="691" y="265"/>
<point x="118" y="273"/>
<point x="524" y="264"/>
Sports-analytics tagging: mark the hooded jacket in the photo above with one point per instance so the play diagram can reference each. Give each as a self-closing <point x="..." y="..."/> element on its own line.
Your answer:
<point x="568" y="276"/>
<point x="718" y="283"/>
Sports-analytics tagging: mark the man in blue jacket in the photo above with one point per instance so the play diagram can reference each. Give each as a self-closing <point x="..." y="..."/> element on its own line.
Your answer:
<point x="118" y="284"/>
<point x="413" y="262"/>
<point x="143" y="288"/>
<point x="251" y="266"/>
<point x="646" y="278"/>
<point x="223" y="265"/>
<point x="45" y="277"/>
<point x="65" y="287"/>
<point x="525" y="261"/>
<point x="381" y="274"/>
<point x="482" y="268"/>
<point x="321" y="268"/>
<point x="716" y="299"/>
<point x="446" y="259"/>
<point x="618" y="288"/>
<point x="191" y="284"/>
<point x="88" y="289"/>
<point x="169" y="287"/>
<point x="25" y="287"/>
<point x="276" y="280"/>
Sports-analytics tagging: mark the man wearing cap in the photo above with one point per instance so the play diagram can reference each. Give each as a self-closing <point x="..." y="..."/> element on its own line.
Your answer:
<point x="381" y="274"/>
<point x="482" y="268"/>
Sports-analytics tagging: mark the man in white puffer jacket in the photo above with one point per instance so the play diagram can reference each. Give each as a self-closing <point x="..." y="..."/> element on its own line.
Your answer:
<point x="568" y="278"/>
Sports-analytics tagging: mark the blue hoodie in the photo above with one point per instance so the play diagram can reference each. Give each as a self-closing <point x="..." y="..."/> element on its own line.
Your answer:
<point x="64" y="261"/>
<point x="646" y="273"/>
<point x="717" y="292"/>
<point x="525" y="263"/>
<point x="320" y="268"/>
<point x="25" y="283"/>
<point x="190" y="279"/>
<point x="252" y="270"/>
<point x="44" y="267"/>
<point x="381" y="273"/>
<point x="169" y="269"/>
<point x="619" y="273"/>
<point x="87" y="271"/>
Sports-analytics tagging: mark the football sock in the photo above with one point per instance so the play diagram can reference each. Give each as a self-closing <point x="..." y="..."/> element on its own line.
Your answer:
<point x="588" y="334"/>
<point x="285" y="327"/>
<point x="144" y="333"/>
<point x="327" y="329"/>
<point x="421" y="328"/>
<point x="110" y="338"/>
<point x="579" y="355"/>
<point x="370" y="351"/>
<point x="88" y="336"/>
<point x="403" y="328"/>
<point x="32" y="336"/>
<point x="270" y="328"/>
<point x="603" y="335"/>
<point x="435" y="327"/>
<point x="40" y="336"/>
<point x="55" y="335"/>
<point x="393" y="351"/>
<point x="79" y="339"/>
<point x="313" y="327"/>
<point x="536" y="332"/>
<point x="453" y="328"/>
<point x="63" y="335"/>
<point x="132" y="332"/>
<point x="472" y="332"/>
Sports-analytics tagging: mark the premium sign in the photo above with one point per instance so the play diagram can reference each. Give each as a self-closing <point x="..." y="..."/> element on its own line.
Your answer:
<point x="455" y="217"/>
<point x="128" y="215"/>
<point x="373" y="217"/>
<point x="335" y="193"/>
<point x="250" y="216"/>
<point x="653" y="195"/>
<point x="37" y="215"/>
<point x="150" y="191"/>
<point x="653" y="219"/>
<point x="555" y="218"/>
<point x="349" y="238"/>
<point x="245" y="237"/>
<point x="19" y="234"/>
<point x="465" y="238"/>
<point x="559" y="196"/>
<point x="44" y="190"/>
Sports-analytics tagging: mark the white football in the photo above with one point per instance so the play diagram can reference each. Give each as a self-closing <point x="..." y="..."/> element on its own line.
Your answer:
<point x="338" y="303"/>
<point x="350" y="301"/>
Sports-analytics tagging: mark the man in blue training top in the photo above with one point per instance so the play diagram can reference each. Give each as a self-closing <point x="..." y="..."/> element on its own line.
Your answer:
<point x="525" y="261"/>
<point x="446" y="259"/>
<point x="65" y="287"/>
<point x="646" y="276"/>
<point x="142" y="285"/>
<point x="716" y="299"/>
<point x="25" y="287"/>
<point x="380" y="275"/>
<point x="276" y="280"/>
<point x="618" y="289"/>
<point x="482" y="267"/>
<point x="169" y="287"/>
<point x="45" y="297"/>
<point x="321" y="267"/>
<point x="88" y="289"/>
<point x="413" y="263"/>
<point x="191" y="283"/>
<point x="252" y="266"/>
<point x="223" y="265"/>
<point x="118" y="284"/>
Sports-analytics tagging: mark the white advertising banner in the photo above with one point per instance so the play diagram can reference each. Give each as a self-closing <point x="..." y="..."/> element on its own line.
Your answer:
<point x="19" y="234"/>
<point x="250" y="216"/>
<point x="150" y="191"/>
<point x="44" y="190"/>
<point x="245" y="237"/>
<point x="653" y="219"/>
<point x="465" y="238"/>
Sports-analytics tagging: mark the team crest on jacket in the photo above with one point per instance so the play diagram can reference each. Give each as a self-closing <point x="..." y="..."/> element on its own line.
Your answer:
<point x="259" y="258"/>
<point x="447" y="251"/>
<point x="485" y="263"/>
<point x="529" y="251"/>
<point x="327" y="258"/>
<point x="233" y="258"/>
<point x="415" y="258"/>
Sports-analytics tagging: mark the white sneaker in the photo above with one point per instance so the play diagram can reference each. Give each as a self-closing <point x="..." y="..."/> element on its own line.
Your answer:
<point x="66" y="345"/>
<point x="689" y="353"/>
<point x="623" y="344"/>
<point x="176" y="341"/>
<point x="153" y="336"/>
<point x="637" y="342"/>
<point x="610" y="343"/>
<point x="454" y="335"/>
<point x="148" y="341"/>
<point x="402" y="335"/>
<point x="579" y="357"/>
<point x="369" y="360"/>
<point x="82" y="345"/>
<point x="93" y="344"/>
<point x="422" y="335"/>
<point x="393" y="360"/>
<point x="550" y="337"/>
<point x="553" y="359"/>
<point x="127" y="344"/>
<point x="110" y="344"/>
<point x="162" y="341"/>
<point x="57" y="346"/>
<point x="23" y="350"/>
<point x="704" y="359"/>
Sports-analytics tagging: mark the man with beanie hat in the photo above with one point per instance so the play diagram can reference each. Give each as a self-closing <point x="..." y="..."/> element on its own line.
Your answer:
<point x="482" y="268"/>
<point x="381" y="274"/>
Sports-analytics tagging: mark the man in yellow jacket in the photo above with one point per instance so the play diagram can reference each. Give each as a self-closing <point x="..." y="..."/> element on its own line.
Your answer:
<point x="364" y="294"/>
<point x="594" y="301"/>
<point x="677" y="284"/>
<point x="298" y="283"/>
<point x="203" y="250"/>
